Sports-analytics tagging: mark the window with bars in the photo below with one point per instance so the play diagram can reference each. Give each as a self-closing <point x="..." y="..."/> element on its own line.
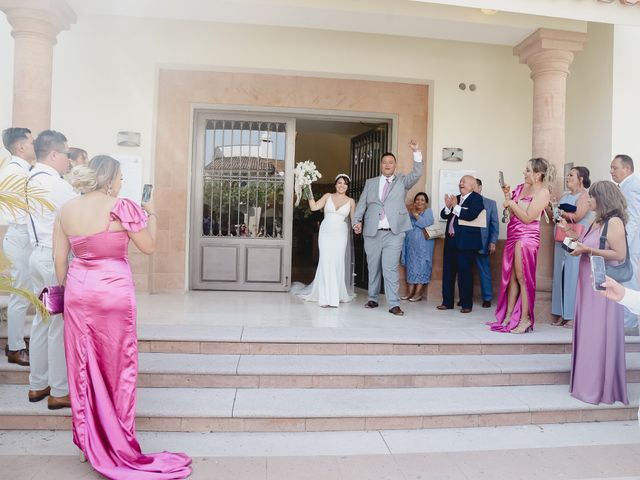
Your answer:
<point x="243" y="179"/>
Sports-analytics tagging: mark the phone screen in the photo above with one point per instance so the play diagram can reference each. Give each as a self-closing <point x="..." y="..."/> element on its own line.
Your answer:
<point x="146" y="192"/>
<point x="501" y="178"/>
<point x="598" y="272"/>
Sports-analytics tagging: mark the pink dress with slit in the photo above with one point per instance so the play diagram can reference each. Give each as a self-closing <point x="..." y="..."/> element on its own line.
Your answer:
<point x="101" y="348"/>
<point x="529" y="237"/>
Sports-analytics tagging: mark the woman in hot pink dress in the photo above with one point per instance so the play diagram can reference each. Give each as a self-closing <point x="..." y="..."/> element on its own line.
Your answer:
<point x="100" y="323"/>
<point x="514" y="313"/>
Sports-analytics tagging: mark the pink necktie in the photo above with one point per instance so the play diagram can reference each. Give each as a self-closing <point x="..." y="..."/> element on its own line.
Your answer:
<point x="385" y="191"/>
<point x="451" y="229"/>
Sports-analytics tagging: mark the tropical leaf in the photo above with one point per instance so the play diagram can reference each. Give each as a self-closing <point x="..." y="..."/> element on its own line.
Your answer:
<point x="14" y="192"/>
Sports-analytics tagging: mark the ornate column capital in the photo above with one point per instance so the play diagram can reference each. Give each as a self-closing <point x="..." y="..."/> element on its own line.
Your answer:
<point x="42" y="19"/>
<point x="547" y="50"/>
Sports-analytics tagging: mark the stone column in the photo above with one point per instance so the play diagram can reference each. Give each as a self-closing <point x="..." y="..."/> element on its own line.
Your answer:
<point x="549" y="53"/>
<point x="36" y="24"/>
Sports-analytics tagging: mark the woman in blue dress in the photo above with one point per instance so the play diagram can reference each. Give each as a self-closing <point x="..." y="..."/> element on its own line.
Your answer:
<point x="565" y="266"/>
<point x="417" y="253"/>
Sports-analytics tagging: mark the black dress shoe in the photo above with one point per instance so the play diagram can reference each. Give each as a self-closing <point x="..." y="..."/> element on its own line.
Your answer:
<point x="396" y="311"/>
<point x="465" y="310"/>
<point x="443" y="307"/>
<point x="371" y="304"/>
<point x="486" y="304"/>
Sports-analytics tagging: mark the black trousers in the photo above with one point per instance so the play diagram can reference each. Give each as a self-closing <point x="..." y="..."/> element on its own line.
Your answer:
<point x="457" y="263"/>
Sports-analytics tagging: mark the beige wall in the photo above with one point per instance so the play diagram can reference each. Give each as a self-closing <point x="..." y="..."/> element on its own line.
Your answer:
<point x="329" y="151"/>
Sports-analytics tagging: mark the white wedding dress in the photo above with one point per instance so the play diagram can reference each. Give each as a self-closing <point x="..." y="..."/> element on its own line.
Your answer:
<point x="333" y="282"/>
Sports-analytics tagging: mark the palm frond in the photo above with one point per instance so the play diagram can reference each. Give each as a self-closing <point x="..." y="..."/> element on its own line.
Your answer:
<point x="6" y="286"/>
<point x="14" y="192"/>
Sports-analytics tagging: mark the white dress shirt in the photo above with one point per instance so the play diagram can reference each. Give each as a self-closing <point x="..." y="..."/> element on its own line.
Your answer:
<point x="631" y="300"/>
<point x="457" y="208"/>
<point x="384" y="223"/>
<point x="58" y="192"/>
<point x="16" y="166"/>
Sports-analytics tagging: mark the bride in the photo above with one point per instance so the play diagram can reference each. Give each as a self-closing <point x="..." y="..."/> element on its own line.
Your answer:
<point x="333" y="282"/>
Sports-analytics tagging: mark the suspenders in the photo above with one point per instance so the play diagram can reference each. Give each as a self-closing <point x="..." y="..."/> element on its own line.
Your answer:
<point x="26" y="196"/>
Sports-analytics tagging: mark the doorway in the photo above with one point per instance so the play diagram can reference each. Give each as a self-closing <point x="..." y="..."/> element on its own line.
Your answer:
<point x="335" y="146"/>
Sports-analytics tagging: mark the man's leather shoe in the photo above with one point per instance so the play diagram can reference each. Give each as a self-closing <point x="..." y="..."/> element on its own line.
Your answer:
<point x="56" y="403"/>
<point x="443" y="307"/>
<point x="37" y="395"/>
<point x="486" y="304"/>
<point x="396" y="311"/>
<point x="21" y="357"/>
<point x="465" y="310"/>
<point x="371" y="304"/>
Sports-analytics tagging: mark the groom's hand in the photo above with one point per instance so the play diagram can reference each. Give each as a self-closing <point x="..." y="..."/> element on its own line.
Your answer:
<point x="357" y="228"/>
<point x="413" y="145"/>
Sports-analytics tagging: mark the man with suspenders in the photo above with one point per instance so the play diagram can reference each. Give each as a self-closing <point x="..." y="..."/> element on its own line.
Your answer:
<point x="16" y="244"/>
<point x="48" y="375"/>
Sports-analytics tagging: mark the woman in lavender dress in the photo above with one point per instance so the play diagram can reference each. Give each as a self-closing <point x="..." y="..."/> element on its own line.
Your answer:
<point x="598" y="368"/>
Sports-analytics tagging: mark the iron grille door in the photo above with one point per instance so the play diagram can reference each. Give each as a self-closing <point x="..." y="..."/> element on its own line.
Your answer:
<point x="241" y="209"/>
<point x="366" y="150"/>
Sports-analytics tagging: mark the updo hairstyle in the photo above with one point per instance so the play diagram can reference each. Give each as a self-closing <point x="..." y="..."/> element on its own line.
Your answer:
<point x="542" y="166"/>
<point x="97" y="175"/>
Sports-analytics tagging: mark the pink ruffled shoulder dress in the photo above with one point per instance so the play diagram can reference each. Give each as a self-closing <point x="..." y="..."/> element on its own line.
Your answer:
<point x="101" y="348"/>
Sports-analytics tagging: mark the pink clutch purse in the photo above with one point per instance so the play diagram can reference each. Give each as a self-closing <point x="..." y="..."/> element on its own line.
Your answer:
<point x="53" y="299"/>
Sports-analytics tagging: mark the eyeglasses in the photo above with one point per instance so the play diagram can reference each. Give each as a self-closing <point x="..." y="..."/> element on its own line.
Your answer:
<point x="64" y="153"/>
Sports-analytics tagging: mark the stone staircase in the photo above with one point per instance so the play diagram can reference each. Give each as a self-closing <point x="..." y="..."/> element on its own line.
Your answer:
<point x="210" y="379"/>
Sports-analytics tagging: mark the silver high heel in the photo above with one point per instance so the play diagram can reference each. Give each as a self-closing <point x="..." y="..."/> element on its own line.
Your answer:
<point x="83" y="458"/>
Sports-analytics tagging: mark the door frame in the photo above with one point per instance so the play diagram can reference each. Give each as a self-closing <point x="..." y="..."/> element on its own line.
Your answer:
<point x="276" y="114"/>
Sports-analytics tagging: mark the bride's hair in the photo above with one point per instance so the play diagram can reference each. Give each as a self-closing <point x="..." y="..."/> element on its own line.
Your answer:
<point x="344" y="177"/>
<point x="98" y="174"/>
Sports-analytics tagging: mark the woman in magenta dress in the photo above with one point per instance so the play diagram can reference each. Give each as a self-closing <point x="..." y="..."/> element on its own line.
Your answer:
<point x="514" y="312"/>
<point x="598" y="367"/>
<point x="100" y="339"/>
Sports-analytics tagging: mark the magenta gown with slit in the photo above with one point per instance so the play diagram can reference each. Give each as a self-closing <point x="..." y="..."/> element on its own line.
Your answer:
<point x="529" y="237"/>
<point x="101" y="348"/>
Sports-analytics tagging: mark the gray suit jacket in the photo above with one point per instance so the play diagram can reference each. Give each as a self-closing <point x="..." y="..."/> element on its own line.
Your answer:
<point x="369" y="205"/>
<point x="631" y="191"/>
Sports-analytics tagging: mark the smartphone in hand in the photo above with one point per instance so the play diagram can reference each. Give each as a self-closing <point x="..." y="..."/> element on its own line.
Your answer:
<point x="146" y="192"/>
<point x="598" y="272"/>
<point x="501" y="178"/>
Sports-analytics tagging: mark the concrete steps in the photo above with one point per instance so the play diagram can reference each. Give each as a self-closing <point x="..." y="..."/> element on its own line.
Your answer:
<point x="344" y="371"/>
<point x="219" y="409"/>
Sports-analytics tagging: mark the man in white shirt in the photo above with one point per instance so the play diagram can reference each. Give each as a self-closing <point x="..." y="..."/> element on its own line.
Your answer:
<point x="629" y="183"/>
<point x="16" y="244"/>
<point x="48" y="375"/>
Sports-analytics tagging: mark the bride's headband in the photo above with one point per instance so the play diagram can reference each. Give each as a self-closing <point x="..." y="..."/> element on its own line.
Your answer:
<point x="344" y="175"/>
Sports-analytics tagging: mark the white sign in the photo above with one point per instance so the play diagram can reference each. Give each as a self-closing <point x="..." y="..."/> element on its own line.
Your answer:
<point x="449" y="180"/>
<point x="131" y="166"/>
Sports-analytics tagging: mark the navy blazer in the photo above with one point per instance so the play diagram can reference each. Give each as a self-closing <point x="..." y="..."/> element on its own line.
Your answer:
<point x="490" y="234"/>
<point x="466" y="238"/>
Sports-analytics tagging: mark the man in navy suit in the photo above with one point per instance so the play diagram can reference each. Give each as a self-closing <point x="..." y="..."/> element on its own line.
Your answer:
<point x="489" y="239"/>
<point x="461" y="244"/>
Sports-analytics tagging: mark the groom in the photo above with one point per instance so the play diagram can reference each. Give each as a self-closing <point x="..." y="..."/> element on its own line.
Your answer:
<point x="382" y="205"/>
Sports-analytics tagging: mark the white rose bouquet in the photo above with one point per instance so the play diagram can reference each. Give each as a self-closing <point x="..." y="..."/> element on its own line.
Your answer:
<point x="305" y="174"/>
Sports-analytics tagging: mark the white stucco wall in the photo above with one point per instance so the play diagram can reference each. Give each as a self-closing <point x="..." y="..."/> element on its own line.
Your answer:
<point x="105" y="81"/>
<point x="6" y="78"/>
<point x="626" y="93"/>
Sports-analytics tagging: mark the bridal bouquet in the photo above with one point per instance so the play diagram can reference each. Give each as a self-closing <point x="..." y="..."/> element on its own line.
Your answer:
<point x="305" y="174"/>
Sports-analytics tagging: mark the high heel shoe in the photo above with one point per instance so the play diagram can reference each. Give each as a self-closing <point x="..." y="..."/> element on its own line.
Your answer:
<point x="83" y="458"/>
<point x="415" y="299"/>
<point x="504" y="322"/>
<point x="523" y="327"/>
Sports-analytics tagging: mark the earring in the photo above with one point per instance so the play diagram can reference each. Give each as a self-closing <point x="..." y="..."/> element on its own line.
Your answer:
<point x="109" y="190"/>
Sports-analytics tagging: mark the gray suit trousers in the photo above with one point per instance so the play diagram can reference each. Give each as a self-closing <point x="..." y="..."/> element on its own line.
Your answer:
<point x="383" y="257"/>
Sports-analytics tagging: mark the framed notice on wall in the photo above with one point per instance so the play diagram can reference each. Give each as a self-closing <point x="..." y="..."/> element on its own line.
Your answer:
<point x="449" y="180"/>
<point x="131" y="166"/>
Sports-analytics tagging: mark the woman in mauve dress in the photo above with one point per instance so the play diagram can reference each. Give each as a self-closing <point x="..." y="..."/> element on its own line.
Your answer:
<point x="598" y="367"/>
<point x="514" y="313"/>
<point x="100" y="339"/>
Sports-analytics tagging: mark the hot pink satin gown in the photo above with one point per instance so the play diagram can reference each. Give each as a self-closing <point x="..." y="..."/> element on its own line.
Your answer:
<point x="101" y="347"/>
<point x="529" y="237"/>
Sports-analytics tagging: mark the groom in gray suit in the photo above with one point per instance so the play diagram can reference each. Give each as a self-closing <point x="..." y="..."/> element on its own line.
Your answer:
<point x="383" y="209"/>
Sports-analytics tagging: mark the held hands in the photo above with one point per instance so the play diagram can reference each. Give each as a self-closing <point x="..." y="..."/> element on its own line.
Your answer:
<point x="413" y="145"/>
<point x="613" y="290"/>
<point x="357" y="228"/>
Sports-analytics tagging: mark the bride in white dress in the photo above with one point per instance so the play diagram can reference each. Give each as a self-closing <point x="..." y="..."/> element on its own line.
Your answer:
<point x="333" y="282"/>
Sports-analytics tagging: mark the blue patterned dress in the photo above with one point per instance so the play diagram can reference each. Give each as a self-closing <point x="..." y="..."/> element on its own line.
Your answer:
<point x="417" y="253"/>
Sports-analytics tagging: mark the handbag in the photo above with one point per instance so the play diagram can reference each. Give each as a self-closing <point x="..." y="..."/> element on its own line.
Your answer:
<point x="623" y="272"/>
<point x="432" y="231"/>
<point x="561" y="234"/>
<point x="53" y="299"/>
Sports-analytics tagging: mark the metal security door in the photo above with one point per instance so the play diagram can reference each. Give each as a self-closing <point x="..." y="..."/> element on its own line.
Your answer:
<point x="241" y="210"/>
<point x="366" y="150"/>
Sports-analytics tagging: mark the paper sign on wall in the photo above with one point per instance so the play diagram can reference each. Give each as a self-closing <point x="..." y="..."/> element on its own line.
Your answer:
<point x="131" y="166"/>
